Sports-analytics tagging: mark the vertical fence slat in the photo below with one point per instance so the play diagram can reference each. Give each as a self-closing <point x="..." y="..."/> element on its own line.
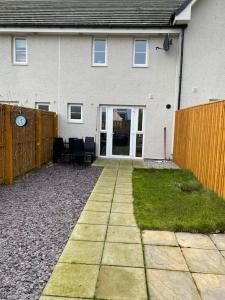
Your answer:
<point x="8" y="146"/>
<point x="199" y="143"/>
<point x="38" y="127"/>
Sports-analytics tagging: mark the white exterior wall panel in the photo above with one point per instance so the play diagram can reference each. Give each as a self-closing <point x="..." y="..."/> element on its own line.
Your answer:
<point x="204" y="54"/>
<point x="60" y="71"/>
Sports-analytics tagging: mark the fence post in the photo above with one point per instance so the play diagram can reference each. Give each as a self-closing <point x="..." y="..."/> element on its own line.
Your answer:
<point x="55" y="125"/>
<point x="9" y="146"/>
<point x="38" y="138"/>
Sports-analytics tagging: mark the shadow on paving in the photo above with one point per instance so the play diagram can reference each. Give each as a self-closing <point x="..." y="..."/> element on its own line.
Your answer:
<point x="37" y="215"/>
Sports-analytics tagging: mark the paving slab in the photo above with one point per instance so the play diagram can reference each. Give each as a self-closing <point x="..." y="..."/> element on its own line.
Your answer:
<point x="122" y="234"/>
<point x="211" y="287"/>
<point x="118" y="254"/>
<point x="194" y="240"/>
<point x="98" y="206"/>
<point x="86" y="232"/>
<point x="91" y="217"/>
<point x="122" y="185"/>
<point x="122" y="208"/>
<point x="82" y="252"/>
<point x="109" y="173"/>
<point x="103" y="190"/>
<point x="118" y="219"/>
<point x="204" y="261"/>
<point x="72" y="280"/>
<point x="124" y="172"/>
<point x="219" y="240"/>
<point x="138" y="163"/>
<point x="105" y="179"/>
<point x="171" y="285"/>
<point x="164" y="238"/>
<point x="164" y="257"/>
<point x="121" y="283"/>
<point x="123" y="198"/>
<point x="125" y="176"/>
<point x="123" y="191"/>
<point x="122" y="179"/>
<point x="105" y="184"/>
<point x="101" y="197"/>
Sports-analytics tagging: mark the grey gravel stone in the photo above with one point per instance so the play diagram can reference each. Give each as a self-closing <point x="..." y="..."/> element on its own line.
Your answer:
<point x="160" y="164"/>
<point x="37" y="215"/>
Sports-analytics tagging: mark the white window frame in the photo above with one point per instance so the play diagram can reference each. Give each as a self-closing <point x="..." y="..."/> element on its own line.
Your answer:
<point x="106" y="53"/>
<point x="146" y="54"/>
<point x="42" y="103"/>
<point x="14" y="51"/>
<point x="69" y="113"/>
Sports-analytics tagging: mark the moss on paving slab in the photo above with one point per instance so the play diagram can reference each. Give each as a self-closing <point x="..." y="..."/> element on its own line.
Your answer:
<point x="174" y="200"/>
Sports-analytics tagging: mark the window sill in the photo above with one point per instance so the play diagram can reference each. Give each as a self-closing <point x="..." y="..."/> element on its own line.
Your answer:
<point x="20" y="64"/>
<point x="140" y="66"/>
<point x="99" y="65"/>
<point x="75" y="122"/>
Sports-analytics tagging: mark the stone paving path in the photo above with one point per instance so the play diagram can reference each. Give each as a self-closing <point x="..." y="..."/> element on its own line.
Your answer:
<point x="104" y="259"/>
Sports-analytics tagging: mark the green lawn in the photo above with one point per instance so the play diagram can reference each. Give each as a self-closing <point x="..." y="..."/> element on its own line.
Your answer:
<point x="175" y="200"/>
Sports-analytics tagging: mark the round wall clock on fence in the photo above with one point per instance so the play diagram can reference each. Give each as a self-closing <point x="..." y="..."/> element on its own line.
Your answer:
<point x="21" y="121"/>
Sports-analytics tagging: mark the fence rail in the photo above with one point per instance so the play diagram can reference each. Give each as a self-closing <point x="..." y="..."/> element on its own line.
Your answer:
<point x="199" y="143"/>
<point x="25" y="148"/>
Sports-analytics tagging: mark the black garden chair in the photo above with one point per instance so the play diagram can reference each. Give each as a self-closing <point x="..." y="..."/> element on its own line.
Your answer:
<point x="58" y="149"/>
<point x="77" y="151"/>
<point x="89" y="149"/>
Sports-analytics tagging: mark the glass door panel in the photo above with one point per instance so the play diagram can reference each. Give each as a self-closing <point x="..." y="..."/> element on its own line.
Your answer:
<point x="121" y="131"/>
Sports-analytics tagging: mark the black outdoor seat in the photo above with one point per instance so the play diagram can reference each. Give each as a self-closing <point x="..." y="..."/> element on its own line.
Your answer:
<point x="71" y="144"/>
<point x="77" y="150"/>
<point x="58" y="149"/>
<point x="89" y="148"/>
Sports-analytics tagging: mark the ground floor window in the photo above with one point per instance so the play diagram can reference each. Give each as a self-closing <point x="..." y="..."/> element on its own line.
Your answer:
<point x="75" y="113"/>
<point x="43" y="106"/>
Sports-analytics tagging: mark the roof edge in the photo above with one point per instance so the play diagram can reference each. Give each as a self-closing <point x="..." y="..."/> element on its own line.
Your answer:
<point x="182" y="15"/>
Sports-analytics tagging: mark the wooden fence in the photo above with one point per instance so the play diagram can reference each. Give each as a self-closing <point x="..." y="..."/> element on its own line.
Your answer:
<point x="199" y="143"/>
<point x="25" y="148"/>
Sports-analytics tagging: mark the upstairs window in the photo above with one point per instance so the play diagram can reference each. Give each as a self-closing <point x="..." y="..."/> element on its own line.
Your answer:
<point x="20" y="51"/>
<point x="99" y="52"/>
<point x="140" y="53"/>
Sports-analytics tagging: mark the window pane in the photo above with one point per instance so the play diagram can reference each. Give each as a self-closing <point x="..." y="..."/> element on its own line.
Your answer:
<point x="140" y="119"/>
<point x="20" y="50"/>
<point x="43" y="107"/>
<point x="103" y="137"/>
<point x="99" y="58"/>
<point x="75" y="116"/>
<point x="139" y="145"/>
<point x="75" y="109"/>
<point x="21" y="44"/>
<point x="20" y="56"/>
<point x="140" y="59"/>
<point x="140" y="46"/>
<point x="100" y="45"/>
<point x="103" y="125"/>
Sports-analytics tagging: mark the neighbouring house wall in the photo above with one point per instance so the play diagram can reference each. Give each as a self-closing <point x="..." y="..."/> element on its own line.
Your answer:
<point x="204" y="54"/>
<point x="60" y="71"/>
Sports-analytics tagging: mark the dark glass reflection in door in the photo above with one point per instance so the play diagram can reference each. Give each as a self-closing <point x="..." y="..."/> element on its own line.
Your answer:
<point x="121" y="131"/>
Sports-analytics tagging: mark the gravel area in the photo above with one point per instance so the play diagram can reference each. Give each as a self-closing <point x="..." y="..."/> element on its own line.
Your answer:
<point x="37" y="215"/>
<point x="160" y="164"/>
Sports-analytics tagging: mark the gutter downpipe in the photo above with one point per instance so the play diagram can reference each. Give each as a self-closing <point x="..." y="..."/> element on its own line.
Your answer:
<point x="181" y="69"/>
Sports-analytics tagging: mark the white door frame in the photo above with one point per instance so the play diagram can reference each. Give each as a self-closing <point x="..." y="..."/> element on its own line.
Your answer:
<point x="133" y="131"/>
